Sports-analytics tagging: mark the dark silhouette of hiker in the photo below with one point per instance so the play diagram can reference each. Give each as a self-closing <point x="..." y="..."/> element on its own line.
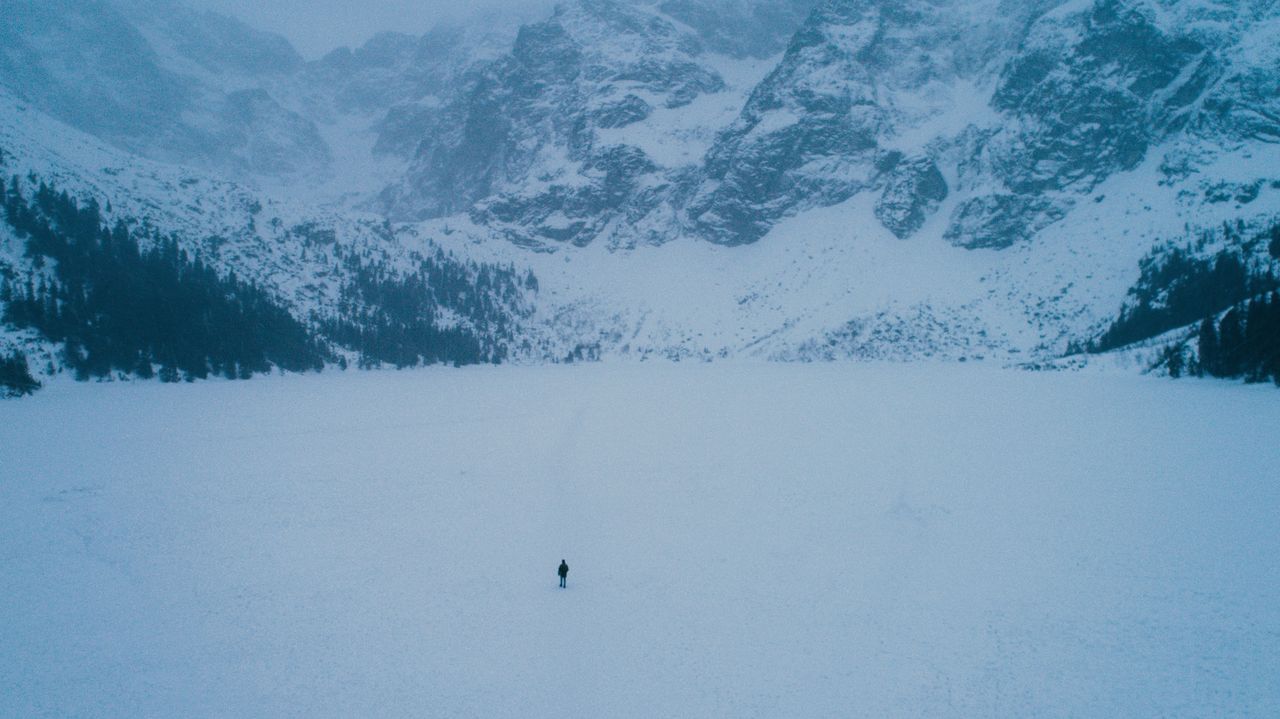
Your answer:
<point x="563" y="571"/>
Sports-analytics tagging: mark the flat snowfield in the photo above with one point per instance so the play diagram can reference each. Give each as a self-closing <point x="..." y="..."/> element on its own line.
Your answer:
<point x="744" y="540"/>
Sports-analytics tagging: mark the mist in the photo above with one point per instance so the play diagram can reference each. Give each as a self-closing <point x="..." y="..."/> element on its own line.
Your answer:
<point x="316" y="27"/>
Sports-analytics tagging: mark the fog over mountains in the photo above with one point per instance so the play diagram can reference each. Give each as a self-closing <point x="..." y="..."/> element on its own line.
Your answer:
<point x="795" y="180"/>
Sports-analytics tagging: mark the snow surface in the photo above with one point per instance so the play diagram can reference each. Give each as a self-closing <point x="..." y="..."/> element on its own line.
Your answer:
<point x="744" y="540"/>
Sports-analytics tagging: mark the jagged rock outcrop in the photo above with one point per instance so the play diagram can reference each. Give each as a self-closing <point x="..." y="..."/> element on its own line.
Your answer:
<point x="862" y="81"/>
<point x="807" y="137"/>
<point x="1090" y="92"/>
<point x="575" y="213"/>
<point x="914" y="189"/>
<point x="996" y="221"/>
<point x="1078" y="92"/>
<point x="1092" y="89"/>
<point x="520" y="145"/>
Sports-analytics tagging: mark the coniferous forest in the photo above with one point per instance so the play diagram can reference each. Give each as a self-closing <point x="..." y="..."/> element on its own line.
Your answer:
<point x="1244" y="344"/>
<point x="131" y="301"/>
<point x="119" y="308"/>
<point x="1232" y="295"/>
<point x="15" y="376"/>
<point x="1180" y="285"/>
<point x="391" y="318"/>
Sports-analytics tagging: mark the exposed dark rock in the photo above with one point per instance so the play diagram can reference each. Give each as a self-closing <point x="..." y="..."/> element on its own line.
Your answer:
<point x="1240" y="192"/>
<point x="1092" y="92"/>
<point x="998" y="221"/>
<point x="914" y="190"/>
<point x="628" y="110"/>
<point x="519" y="145"/>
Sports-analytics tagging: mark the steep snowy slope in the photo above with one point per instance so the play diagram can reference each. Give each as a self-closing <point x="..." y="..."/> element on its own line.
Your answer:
<point x="160" y="81"/>
<point x="174" y="84"/>
<point x="740" y="28"/>
<point x="823" y="125"/>
<point x="834" y="282"/>
<point x="318" y="264"/>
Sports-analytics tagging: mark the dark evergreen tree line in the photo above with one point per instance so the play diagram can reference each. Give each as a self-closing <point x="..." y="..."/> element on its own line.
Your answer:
<point x="1245" y="343"/>
<point x="395" y="318"/>
<point x="15" y="376"/>
<point x="119" y="307"/>
<point x="1180" y="286"/>
<point x="129" y="300"/>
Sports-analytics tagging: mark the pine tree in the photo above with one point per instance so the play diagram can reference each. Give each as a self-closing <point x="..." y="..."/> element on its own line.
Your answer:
<point x="1231" y="344"/>
<point x="1174" y="361"/>
<point x="15" y="376"/>
<point x="1254" y="322"/>
<point x="1269" y="337"/>
<point x="1208" y="346"/>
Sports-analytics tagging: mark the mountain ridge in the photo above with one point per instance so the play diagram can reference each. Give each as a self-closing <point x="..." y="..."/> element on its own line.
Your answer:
<point x="902" y="179"/>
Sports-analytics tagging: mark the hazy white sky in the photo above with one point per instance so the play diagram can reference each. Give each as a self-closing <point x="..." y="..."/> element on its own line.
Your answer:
<point x="318" y="26"/>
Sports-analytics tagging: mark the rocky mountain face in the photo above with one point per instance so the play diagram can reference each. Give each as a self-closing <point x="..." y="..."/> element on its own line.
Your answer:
<point x="534" y="144"/>
<point x="519" y="144"/>
<point x="819" y="128"/>
<point x="1091" y="90"/>
<point x="164" y="82"/>
<point x="399" y="80"/>
<point x="1013" y="110"/>
<point x="740" y="28"/>
<point x="1074" y="94"/>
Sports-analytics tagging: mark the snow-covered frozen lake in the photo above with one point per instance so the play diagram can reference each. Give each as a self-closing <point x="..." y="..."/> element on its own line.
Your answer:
<point x="744" y="540"/>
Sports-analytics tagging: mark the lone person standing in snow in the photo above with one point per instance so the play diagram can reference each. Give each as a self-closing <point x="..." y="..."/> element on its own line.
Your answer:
<point x="563" y="571"/>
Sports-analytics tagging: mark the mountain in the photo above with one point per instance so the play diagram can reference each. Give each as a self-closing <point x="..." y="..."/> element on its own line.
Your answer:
<point x="886" y="97"/>
<point x="554" y="141"/>
<point x="361" y="291"/>
<point x="695" y="178"/>
<point x="155" y="79"/>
